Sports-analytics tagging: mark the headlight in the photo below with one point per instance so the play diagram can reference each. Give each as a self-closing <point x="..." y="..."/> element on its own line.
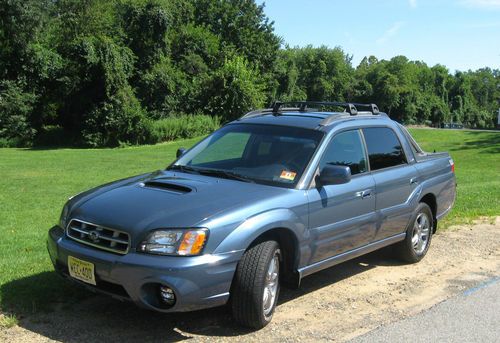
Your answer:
<point x="63" y="220"/>
<point x="175" y="242"/>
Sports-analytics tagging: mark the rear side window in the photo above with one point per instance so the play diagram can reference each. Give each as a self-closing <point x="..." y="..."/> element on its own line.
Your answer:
<point x="346" y="149"/>
<point x="384" y="148"/>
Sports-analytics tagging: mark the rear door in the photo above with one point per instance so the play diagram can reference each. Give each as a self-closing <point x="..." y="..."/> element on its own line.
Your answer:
<point x="395" y="179"/>
<point x="342" y="217"/>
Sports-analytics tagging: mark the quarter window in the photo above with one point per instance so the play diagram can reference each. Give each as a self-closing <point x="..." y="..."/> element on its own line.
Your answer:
<point x="384" y="148"/>
<point x="346" y="149"/>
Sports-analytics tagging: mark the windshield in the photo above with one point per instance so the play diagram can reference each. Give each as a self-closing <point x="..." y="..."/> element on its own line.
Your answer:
<point x="275" y="155"/>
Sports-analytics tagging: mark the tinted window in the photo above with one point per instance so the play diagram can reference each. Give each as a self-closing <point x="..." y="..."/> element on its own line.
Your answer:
<point x="346" y="149"/>
<point x="384" y="148"/>
<point x="227" y="147"/>
<point x="270" y="154"/>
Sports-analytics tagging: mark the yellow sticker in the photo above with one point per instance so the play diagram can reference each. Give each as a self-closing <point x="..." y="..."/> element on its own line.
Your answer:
<point x="288" y="175"/>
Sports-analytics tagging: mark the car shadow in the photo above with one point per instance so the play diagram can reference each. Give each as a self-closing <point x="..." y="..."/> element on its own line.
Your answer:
<point x="95" y="317"/>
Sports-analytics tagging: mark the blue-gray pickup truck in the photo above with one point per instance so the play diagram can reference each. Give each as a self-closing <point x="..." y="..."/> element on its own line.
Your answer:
<point x="264" y="201"/>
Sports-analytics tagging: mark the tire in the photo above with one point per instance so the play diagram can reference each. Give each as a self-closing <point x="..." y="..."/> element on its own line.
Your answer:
<point x="418" y="236"/>
<point x="256" y="285"/>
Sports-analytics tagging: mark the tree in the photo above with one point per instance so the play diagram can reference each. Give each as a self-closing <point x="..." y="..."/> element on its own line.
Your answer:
<point x="243" y="27"/>
<point x="233" y="90"/>
<point x="101" y="69"/>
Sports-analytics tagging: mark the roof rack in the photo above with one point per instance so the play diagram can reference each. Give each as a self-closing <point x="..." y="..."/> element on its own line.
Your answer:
<point x="351" y="108"/>
<point x="279" y="107"/>
<point x="303" y="106"/>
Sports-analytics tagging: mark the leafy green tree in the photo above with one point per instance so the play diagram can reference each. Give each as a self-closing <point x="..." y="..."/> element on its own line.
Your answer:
<point x="145" y="28"/>
<point x="242" y="26"/>
<point x="163" y="88"/>
<point x="233" y="90"/>
<point x="104" y="105"/>
<point x="315" y="74"/>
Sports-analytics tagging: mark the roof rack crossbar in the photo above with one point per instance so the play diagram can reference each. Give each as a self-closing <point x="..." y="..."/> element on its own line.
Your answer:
<point x="304" y="106"/>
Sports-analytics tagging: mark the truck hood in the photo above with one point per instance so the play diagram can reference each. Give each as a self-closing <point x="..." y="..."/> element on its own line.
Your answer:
<point x="167" y="200"/>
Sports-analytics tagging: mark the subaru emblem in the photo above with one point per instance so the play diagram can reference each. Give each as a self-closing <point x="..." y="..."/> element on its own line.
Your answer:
<point x="94" y="236"/>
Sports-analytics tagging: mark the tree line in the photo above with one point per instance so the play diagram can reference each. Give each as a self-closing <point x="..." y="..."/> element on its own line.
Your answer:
<point x="104" y="73"/>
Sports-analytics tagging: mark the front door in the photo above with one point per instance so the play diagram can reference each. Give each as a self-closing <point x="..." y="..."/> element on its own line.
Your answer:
<point x="342" y="217"/>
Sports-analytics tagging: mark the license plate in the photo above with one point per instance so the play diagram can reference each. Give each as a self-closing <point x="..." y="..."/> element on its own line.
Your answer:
<point x="81" y="270"/>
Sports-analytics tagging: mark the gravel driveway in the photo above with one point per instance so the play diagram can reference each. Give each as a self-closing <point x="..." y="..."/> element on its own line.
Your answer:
<point x="336" y="304"/>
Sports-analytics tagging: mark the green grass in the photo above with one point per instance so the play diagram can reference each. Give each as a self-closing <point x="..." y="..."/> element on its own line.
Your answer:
<point x="7" y="321"/>
<point x="477" y="167"/>
<point x="34" y="184"/>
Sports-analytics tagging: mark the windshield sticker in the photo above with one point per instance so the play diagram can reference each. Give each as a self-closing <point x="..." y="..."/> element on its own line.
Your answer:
<point x="288" y="175"/>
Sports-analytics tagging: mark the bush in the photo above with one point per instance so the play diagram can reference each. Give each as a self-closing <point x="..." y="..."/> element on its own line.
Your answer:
<point x="15" y="108"/>
<point x="118" y="120"/>
<point x="182" y="126"/>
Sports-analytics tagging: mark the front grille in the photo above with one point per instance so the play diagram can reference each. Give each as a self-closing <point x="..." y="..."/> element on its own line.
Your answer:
<point x="98" y="236"/>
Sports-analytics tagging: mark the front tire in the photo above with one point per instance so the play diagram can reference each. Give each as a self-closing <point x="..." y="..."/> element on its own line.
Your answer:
<point x="418" y="235"/>
<point x="256" y="285"/>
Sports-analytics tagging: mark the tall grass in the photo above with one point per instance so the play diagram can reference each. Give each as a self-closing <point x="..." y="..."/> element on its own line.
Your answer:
<point x="182" y="127"/>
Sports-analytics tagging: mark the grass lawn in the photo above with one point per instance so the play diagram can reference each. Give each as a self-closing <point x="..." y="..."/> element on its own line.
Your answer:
<point x="477" y="167"/>
<point x="34" y="185"/>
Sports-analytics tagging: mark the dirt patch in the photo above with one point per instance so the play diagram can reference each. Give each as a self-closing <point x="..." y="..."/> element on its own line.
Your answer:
<point x="333" y="305"/>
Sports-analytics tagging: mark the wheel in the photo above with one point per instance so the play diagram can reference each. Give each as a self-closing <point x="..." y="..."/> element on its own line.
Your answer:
<point x="418" y="235"/>
<point x="256" y="285"/>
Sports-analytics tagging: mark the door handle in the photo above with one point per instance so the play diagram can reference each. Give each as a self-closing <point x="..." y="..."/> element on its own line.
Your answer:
<point x="364" y="194"/>
<point x="413" y="181"/>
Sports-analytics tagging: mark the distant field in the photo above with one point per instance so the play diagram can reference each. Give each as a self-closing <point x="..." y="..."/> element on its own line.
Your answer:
<point x="477" y="166"/>
<point x="34" y="185"/>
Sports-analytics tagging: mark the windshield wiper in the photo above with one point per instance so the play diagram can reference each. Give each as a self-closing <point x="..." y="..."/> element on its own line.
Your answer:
<point x="225" y="174"/>
<point x="212" y="172"/>
<point x="185" y="169"/>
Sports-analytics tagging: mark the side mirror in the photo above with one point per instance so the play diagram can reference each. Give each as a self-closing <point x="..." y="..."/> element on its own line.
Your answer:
<point x="334" y="175"/>
<point x="180" y="152"/>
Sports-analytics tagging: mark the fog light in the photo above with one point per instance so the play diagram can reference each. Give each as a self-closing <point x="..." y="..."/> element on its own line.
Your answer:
<point x="167" y="295"/>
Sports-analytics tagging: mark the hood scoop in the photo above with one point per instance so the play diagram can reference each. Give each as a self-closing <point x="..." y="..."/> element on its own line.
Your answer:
<point x="166" y="186"/>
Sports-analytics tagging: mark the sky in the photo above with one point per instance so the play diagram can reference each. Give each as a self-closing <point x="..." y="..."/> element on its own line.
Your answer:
<point x="460" y="34"/>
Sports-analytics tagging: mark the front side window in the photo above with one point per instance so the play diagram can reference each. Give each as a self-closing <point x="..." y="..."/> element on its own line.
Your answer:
<point x="384" y="148"/>
<point x="346" y="149"/>
<point x="268" y="154"/>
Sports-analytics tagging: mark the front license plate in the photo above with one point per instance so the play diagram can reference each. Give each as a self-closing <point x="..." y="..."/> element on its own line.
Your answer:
<point x="81" y="270"/>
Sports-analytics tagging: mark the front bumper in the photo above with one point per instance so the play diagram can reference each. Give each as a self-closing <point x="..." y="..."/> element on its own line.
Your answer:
<point x="198" y="282"/>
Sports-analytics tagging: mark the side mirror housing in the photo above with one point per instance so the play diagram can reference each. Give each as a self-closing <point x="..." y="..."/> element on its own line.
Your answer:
<point x="334" y="175"/>
<point x="180" y="152"/>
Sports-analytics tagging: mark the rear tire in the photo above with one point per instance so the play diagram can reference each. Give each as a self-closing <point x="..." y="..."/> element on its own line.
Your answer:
<point x="256" y="285"/>
<point x="418" y="236"/>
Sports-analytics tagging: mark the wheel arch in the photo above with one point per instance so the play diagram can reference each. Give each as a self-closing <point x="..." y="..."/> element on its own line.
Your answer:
<point x="289" y="245"/>
<point x="430" y="200"/>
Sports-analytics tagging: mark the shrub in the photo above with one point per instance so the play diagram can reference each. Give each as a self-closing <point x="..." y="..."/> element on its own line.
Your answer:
<point x="15" y="107"/>
<point x="118" y="120"/>
<point x="182" y="126"/>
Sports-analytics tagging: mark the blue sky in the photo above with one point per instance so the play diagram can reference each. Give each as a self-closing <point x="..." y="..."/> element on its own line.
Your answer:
<point x="460" y="34"/>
